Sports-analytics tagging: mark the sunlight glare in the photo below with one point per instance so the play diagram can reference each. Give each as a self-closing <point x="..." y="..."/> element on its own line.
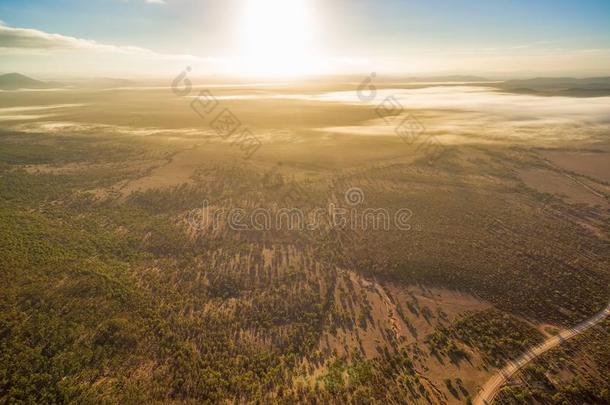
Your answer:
<point x="277" y="37"/>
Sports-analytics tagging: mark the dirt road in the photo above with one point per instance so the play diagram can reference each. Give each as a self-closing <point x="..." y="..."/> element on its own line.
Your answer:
<point x="494" y="384"/>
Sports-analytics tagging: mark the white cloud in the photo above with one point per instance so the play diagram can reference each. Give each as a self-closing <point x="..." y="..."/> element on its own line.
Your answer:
<point x="26" y="38"/>
<point x="156" y="1"/>
<point x="31" y="39"/>
<point x="34" y="51"/>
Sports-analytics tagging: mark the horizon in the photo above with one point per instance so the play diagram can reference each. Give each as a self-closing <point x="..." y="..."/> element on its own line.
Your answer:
<point x="202" y="79"/>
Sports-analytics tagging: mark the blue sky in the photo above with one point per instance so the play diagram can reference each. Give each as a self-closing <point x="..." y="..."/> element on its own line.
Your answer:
<point x="481" y="37"/>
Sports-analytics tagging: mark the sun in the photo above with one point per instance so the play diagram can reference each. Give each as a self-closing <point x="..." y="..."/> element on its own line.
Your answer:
<point x="277" y="37"/>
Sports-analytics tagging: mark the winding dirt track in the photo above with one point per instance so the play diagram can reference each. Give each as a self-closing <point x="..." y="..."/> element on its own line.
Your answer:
<point x="494" y="384"/>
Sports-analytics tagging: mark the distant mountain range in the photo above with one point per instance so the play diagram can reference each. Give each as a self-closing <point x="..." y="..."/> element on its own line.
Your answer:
<point x="453" y="78"/>
<point x="551" y="86"/>
<point x="17" y="81"/>
<point x="560" y="82"/>
<point x="567" y="86"/>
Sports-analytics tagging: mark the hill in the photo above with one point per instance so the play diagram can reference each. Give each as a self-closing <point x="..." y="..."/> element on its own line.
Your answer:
<point x="566" y="86"/>
<point x="16" y="81"/>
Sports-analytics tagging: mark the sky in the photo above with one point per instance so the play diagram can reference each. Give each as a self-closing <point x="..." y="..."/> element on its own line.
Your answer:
<point x="149" y="38"/>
